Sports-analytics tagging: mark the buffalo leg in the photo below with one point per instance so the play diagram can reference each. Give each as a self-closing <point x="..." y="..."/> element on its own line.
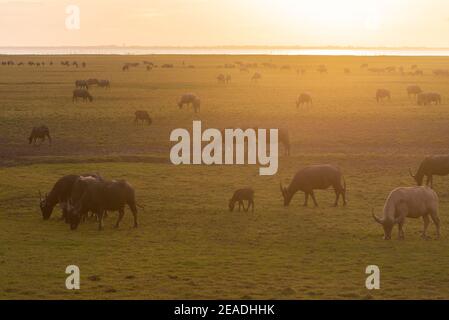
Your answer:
<point x="337" y="197"/>
<point x="426" y="221"/>
<point x="100" y="219"/>
<point x="436" y="220"/>
<point x="121" y="212"/>
<point x="133" y="208"/>
<point x="251" y="202"/>
<point x="313" y="198"/>
<point x="306" y="198"/>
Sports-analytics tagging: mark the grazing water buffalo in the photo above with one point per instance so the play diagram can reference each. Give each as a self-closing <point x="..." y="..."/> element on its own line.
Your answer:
<point x="240" y="195"/>
<point x="322" y="69"/>
<point x="221" y="78"/>
<point x="303" y="98"/>
<point x="81" y="84"/>
<point x="190" y="99"/>
<point x="143" y="116"/>
<point x="81" y="93"/>
<point x="315" y="177"/>
<point x="104" y="84"/>
<point x="381" y="94"/>
<point x="60" y="194"/>
<point x="256" y="77"/>
<point x="39" y="133"/>
<point x="410" y="202"/>
<point x="428" y="98"/>
<point x="413" y="91"/>
<point x="430" y="166"/>
<point x="100" y="196"/>
<point x="92" y="82"/>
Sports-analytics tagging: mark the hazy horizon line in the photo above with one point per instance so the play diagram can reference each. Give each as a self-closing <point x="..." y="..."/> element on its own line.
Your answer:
<point x="233" y="47"/>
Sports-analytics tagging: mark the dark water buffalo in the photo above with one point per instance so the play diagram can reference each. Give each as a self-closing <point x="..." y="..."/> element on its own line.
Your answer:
<point x="382" y="94"/>
<point x="409" y="202"/>
<point x="430" y="166"/>
<point x="81" y="93"/>
<point x="413" y="91"/>
<point x="81" y="84"/>
<point x="104" y="84"/>
<point x="90" y="194"/>
<point x="60" y="194"/>
<point x="428" y="98"/>
<point x="39" y="133"/>
<point x="92" y="82"/>
<point x="303" y="98"/>
<point x="190" y="99"/>
<point x="241" y="195"/>
<point x="315" y="177"/>
<point x="141" y="115"/>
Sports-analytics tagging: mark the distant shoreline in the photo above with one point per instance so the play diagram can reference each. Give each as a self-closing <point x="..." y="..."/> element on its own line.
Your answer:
<point x="226" y="50"/>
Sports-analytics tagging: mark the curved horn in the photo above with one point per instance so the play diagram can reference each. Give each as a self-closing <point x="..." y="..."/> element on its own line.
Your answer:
<point x="375" y="217"/>
<point x="411" y="174"/>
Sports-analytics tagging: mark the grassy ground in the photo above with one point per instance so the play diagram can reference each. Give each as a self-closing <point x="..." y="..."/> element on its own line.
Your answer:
<point x="188" y="244"/>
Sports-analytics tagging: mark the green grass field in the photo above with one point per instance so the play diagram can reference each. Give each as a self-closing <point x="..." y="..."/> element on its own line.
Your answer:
<point x="188" y="244"/>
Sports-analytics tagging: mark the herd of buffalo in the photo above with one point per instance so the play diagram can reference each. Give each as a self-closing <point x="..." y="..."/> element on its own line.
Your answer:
<point x="79" y="195"/>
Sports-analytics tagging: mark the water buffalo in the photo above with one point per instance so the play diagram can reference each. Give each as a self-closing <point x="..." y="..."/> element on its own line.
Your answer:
<point x="81" y="93"/>
<point x="221" y="78"/>
<point x="428" y="98"/>
<point x="92" y="82"/>
<point x="100" y="196"/>
<point x="381" y="94"/>
<point x="241" y="195"/>
<point x="39" y="133"/>
<point x="430" y="166"/>
<point x="81" y="84"/>
<point x="60" y="194"/>
<point x="190" y="99"/>
<point x="315" y="177"/>
<point x="413" y="91"/>
<point x="141" y="115"/>
<point x="303" y="98"/>
<point x="104" y="84"/>
<point x="409" y="202"/>
<point x="256" y="77"/>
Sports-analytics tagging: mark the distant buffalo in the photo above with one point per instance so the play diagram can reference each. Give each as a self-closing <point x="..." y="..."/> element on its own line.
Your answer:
<point x="141" y="115"/>
<point x="81" y="84"/>
<point x="92" y="82"/>
<point x="413" y="90"/>
<point x="256" y="77"/>
<point x="303" y="98"/>
<point x="190" y="99"/>
<point x="382" y="94"/>
<point x="39" y="133"/>
<point x="428" y="98"/>
<point x="81" y="93"/>
<point x="104" y="84"/>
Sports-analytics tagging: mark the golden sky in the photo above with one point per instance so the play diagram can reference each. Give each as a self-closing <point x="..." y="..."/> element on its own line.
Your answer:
<point x="416" y="23"/>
